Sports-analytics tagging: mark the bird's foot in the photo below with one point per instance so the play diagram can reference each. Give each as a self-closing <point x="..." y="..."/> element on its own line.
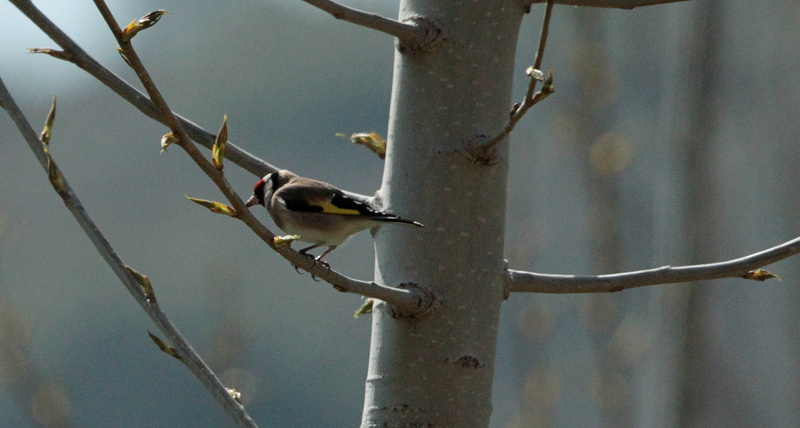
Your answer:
<point x="314" y="261"/>
<point x="322" y="262"/>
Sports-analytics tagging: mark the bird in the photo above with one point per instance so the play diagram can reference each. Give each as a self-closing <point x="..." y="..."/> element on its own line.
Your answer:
<point x="318" y="212"/>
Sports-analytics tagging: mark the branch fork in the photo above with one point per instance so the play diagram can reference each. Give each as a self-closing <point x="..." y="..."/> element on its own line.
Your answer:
<point x="485" y="153"/>
<point x="432" y="35"/>
<point x="426" y="303"/>
<point x="413" y="34"/>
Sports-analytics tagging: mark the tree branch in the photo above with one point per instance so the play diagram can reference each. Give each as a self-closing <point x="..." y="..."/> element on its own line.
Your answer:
<point x="405" y="300"/>
<point x="484" y="152"/>
<point x="76" y="55"/>
<point x="80" y="58"/>
<point x="619" y="4"/>
<point x="530" y="282"/>
<point x="187" y="354"/>
<point x="416" y="33"/>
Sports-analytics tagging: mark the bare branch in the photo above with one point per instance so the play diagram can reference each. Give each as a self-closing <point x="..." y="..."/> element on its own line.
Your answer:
<point x="484" y="152"/>
<point x="184" y="349"/>
<point x="619" y="4"/>
<point x="405" y="300"/>
<point x="416" y="33"/>
<point x="531" y="282"/>
<point x="76" y="55"/>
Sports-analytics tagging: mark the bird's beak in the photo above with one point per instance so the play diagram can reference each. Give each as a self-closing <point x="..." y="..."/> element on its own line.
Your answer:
<point x="252" y="201"/>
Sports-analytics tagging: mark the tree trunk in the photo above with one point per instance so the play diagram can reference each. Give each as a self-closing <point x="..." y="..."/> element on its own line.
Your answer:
<point x="438" y="370"/>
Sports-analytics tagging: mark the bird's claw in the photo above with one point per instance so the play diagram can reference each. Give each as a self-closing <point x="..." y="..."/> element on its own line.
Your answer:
<point x="314" y="261"/>
<point x="322" y="262"/>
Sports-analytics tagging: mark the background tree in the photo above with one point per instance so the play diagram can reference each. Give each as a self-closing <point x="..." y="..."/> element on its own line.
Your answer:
<point x="557" y="241"/>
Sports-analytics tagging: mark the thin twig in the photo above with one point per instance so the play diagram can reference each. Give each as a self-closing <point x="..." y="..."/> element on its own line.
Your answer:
<point x="412" y="33"/>
<point x="184" y="349"/>
<point x="410" y="300"/>
<point x="530" y="282"/>
<point x="76" y="55"/>
<point x="80" y="58"/>
<point x="537" y="63"/>
<point x="403" y="299"/>
<point x="531" y="96"/>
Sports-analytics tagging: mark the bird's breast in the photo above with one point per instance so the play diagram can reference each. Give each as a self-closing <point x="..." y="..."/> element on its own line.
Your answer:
<point x="318" y="228"/>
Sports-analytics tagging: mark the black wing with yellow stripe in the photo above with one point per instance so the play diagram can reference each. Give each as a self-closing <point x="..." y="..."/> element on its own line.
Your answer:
<point x="334" y="202"/>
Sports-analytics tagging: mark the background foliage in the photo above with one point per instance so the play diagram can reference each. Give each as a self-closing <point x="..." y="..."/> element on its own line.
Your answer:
<point x="602" y="180"/>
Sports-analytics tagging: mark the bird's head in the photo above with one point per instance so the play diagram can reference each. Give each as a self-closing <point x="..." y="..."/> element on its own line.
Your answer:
<point x="262" y="190"/>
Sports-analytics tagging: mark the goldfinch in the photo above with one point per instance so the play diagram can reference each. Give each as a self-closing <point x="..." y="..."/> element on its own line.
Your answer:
<point x="317" y="211"/>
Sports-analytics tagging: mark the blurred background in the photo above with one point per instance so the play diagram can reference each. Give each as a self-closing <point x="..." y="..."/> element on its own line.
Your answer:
<point x="672" y="139"/>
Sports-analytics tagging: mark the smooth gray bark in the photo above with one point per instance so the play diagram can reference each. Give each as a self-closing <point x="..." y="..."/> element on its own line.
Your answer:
<point x="438" y="370"/>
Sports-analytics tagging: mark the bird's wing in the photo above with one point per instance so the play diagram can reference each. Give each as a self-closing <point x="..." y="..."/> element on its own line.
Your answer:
<point x="322" y="200"/>
<point x="343" y="204"/>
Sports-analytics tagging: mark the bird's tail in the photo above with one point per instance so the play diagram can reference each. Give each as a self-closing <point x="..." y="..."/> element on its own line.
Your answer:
<point x="395" y="219"/>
